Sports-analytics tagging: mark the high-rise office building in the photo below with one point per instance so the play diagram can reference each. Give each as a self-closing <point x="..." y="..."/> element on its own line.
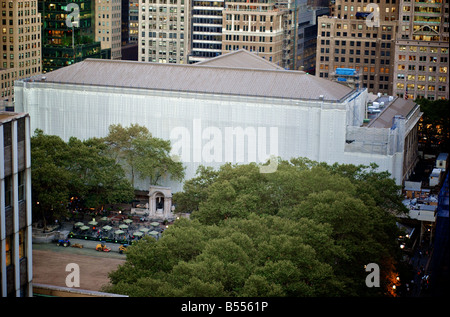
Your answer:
<point x="130" y="22"/>
<point x="16" y="272"/>
<point x="261" y="26"/>
<point x="108" y="24"/>
<point x="130" y="29"/>
<point x="133" y="21"/>
<point x="306" y="43"/>
<point x="422" y="50"/>
<point x="20" y="44"/>
<point x="164" y="31"/>
<point x="64" y="44"/>
<point x="206" y="33"/>
<point x="360" y="35"/>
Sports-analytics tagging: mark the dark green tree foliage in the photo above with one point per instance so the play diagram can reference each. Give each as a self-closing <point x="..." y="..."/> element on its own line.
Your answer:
<point x="306" y="230"/>
<point x="61" y="170"/>
<point x="50" y="175"/>
<point x="99" y="180"/>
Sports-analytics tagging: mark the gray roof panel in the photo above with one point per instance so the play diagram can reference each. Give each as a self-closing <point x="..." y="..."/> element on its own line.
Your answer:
<point x="198" y="78"/>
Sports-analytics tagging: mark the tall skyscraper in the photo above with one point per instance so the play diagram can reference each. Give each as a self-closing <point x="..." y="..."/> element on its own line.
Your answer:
<point x="206" y="33"/>
<point x="64" y="44"/>
<point x="130" y="22"/>
<point x="133" y="21"/>
<point x="164" y="31"/>
<point x="360" y="35"/>
<point x="20" y="44"/>
<point x="422" y="50"/>
<point x="108" y="24"/>
<point x="306" y="43"/>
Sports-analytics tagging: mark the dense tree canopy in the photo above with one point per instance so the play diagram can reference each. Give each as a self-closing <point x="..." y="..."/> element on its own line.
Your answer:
<point x="61" y="170"/>
<point x="306" y="230"/>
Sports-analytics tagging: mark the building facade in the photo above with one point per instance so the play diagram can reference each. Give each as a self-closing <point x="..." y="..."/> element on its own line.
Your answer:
<point x="16" y="272"/>
<point x="108" y="22"/>
<point x="20" y="44"/>
<point x="130" y="22"/>
<point x="422" y="50"/>
<point x="306" y="44"/>
<point x="206" y="33"/>
<point x="164" y="31"/>
<point x="63" y="45"/>
<point x="352" y="39"/>
<point x="265" y="27"/>
<point x="220" y="111"/>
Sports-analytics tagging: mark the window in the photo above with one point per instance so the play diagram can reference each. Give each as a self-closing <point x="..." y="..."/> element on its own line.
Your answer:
<point x="8" y="191"/>
<point x="8" y="251"/>
<point x="21" y="180"/>
<point x="22" y="244"/>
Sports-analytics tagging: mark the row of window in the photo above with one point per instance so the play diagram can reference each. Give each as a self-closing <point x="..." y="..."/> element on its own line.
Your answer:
<point x="356" y="60"/>
<point x="10" y="245"/>
<point x="422" y="68"/>
<point x="356" y="52"/>
<point x="359" y="35"/>
<point x="421" y="87"/>
<point x="443" y="50"/>
<point x="355" y="43"/>
<point x="8" y="189"/>
<point x="431" y="59"/>
<point x="410" y="77"/>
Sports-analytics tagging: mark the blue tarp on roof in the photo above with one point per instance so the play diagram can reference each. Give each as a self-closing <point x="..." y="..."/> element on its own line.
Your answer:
<point x="345" y="71"/>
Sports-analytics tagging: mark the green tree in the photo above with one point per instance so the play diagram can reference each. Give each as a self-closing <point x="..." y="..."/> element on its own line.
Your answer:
<point x="195" y="190"/>
<point x="141" y="154"/>
<point x="61" y="170"/>
<point x="153" y="160"/>
<point x="50" y="176"/>
<point x="98" y="179"/>
<point x="192" y="259"/>
<point x="306" y="230"/>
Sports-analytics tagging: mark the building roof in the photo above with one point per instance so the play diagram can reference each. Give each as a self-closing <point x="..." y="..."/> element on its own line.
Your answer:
<point x="414" y="186"/>
<point x="442" y="157"/>
<point x="214" y="79"/>
<point x="6" y="116"/>
<point x="399" y="106"/>
<point x="241" y="58"/>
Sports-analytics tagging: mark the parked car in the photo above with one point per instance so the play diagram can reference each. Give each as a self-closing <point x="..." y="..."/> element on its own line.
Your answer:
<point x="123" y="248"/>
<point x="63" y="242"/>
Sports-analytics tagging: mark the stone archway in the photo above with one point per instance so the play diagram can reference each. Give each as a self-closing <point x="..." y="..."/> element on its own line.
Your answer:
<point x="160" y="202"/>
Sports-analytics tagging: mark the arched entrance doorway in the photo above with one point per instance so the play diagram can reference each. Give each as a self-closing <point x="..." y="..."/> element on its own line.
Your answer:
<point x="160" y="202"/>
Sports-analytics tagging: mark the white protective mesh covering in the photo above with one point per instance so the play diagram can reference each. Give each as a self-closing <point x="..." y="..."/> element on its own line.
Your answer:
<point x="199" y="124"/>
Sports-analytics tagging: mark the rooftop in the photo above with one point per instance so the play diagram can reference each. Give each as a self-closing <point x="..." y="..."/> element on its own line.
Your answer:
<point x="6" y="116"/>
<point x="399" y="106"/>
<point x="242" y="59"/>
<point x="226" y="75"/>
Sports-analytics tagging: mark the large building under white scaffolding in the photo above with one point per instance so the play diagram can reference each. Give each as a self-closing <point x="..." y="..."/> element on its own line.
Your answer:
<point x="236" y="108"/>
